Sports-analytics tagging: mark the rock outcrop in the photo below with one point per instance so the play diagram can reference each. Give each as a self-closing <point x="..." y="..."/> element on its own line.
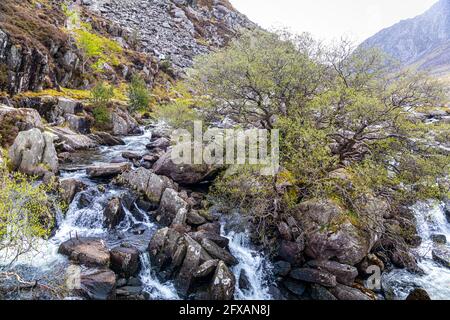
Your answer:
<point x="33" y="152"/>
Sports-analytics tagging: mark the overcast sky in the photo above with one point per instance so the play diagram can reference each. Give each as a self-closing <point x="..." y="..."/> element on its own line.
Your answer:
<point x="331" y="19"/>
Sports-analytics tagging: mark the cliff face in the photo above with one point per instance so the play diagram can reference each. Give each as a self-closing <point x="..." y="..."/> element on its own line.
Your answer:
<point x="38" y="52"/>
<point x="422" y="42"/>
<point x="175" y="30"/>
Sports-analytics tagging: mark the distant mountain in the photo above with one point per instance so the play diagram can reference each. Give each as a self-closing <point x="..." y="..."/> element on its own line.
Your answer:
<point x="422" y="42"/>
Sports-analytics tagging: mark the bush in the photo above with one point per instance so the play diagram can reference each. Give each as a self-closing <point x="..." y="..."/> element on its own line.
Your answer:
<point x="101" y="96"/>
<point x="138" y="95"/>
<point x="26" y="213"/>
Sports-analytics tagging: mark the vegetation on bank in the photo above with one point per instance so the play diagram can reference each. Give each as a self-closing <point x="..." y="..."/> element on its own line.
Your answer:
<point x="345" y="121"/>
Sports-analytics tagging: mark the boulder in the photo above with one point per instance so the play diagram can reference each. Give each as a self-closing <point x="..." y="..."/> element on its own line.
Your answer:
<point x="33" y="152"/>
<point x="195" y="219"/>
<point x="206" y="268"/>
<point x="113" y="213"/>
<point x="98" y="284"/>
<point x="80" y="124"/>
<point x="147" y="183"/>
<point x="185" y="174"/>
<point x="131" y="156"/>
<point x="291" y="252"/>
<point x="320" y="293"/>
<point x="213" y="227"/>
<point x="342" y="292"/>
<point x="223" y="283"/>
<point x="69" y="188"/>
<point x="123" y="123"/>
<point x="189" y="267"/>
<point x="73" y="140"/>
<point x="313" y="276"/>
<point x="217" y="252"/>
<point x="171" y="204"/>
<point x="439" y="238"/>
<point x="345" y="274"/>
<point x="87" y="251"/>
<point x="106" y="139"/>
<point x="19" y="119"/>
<point x="244" y="282"/>
<point x="125" y="261"/>
<point x="418" y="294"/>
<point x="281" y="268"/>
<point x="441" y="255"/>
<point x="163" y="248"/>
<point x="107" y="170"/>
<point x="160" y="143"/>
<point x="296" y="287"/>
<point x="214" y="237"/>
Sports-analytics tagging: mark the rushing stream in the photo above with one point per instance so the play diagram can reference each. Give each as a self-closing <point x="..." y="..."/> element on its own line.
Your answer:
<point x="431" y="221"/>
<point x="87" y="220"/>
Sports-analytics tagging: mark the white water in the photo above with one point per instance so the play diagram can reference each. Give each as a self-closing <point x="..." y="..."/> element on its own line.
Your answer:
<point x="256" y="266"/>
<point x="436" y="281"/>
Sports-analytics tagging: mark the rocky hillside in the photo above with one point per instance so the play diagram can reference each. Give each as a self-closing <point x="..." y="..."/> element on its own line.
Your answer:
<point x="175" y="30"/>
<point x="421" y="42"/>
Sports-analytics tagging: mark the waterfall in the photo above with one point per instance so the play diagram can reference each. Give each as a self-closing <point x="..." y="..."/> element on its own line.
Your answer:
<point x="431" y="220"/>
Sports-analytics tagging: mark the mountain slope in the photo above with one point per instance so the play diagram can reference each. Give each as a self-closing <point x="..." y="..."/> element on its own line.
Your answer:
<point x="421" y="42"/>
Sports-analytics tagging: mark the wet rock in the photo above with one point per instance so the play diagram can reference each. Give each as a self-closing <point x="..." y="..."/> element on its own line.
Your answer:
<point x="130" y="293"/>
<point x="244" y="282"/>
<point x="320" y="293"/>
<point x="179" y="221"/>
<point x="342" y="292"/>
<point x="441" y="255"/>
<point x="190" y="265"/>
<point x="162" y="248"/>
<point x="33" y="152"/>
<point x="223" y="283"/>
<point x="403" y="259"/>
<point x="107" y="170"/>
<point x="439" y="238"/>
<point x="281" y="268"/>
<point x="214" y="237"/>
<point x="418" y="294"/>
<point x="193" y="218"/>
<point x="345" y="274"/>
<point x="313" y="276"/>
<point x="147" y="183"/>
<point x="160" y="143"/>
<point x="217" y="252"/>
<point x="69" y="189"/>
<point x="87" y="251"/>
<point x="98" y="284"/>
<point x="291" y="252"/>
<point x="285" y="231"/>
<point x="131" y="156"/>
<point x="185" y="174"/>
<point x="206" y="269"/>
<point x="170" y="204"/>
<point x="106" y="139"/>
<point x="125" y="261"/>
<point x="113" y="213"/>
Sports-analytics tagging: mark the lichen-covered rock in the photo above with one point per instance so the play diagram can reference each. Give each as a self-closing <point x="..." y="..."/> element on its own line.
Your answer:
<point x="91" y="252"/>
<point x="33" y="152"/>
<point x="223" y="283"/>
<point x="217" y="252"/>
<point x="190" y="265"/>
<point x="125" y="261"/>
<point x="344" y="274"/>
<point x="146" y="182"/>
<point x="171" y="204"/>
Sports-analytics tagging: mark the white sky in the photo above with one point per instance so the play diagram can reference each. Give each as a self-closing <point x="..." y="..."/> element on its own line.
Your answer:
<point x="331" y="19"/>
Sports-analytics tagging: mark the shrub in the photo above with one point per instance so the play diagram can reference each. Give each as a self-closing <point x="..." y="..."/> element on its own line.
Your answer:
<point x="26" y="213"/>
<point x="101" y="96"/>
<point x="138" y="95"/>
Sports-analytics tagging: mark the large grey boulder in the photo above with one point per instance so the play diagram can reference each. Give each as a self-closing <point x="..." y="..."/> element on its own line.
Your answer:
<point x="113" y="213"/>
<point x="33" y="152"/>
<point x="189" y="267"/>
<point x="441" y="255"/>
<point x="69" y="188"/>
<point x="163" y="248"/>
<point x="73" y="140"/>
<point x="125" y="261"/>
<point x="218" y="253"/>
<point x="107" y="170"/>
<point x="171" y="204"/>
<point x="186" y="174"/>
<point x="147" y="183"/>
<point x="90" y="252"/>
<point x="124" y="124"/>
